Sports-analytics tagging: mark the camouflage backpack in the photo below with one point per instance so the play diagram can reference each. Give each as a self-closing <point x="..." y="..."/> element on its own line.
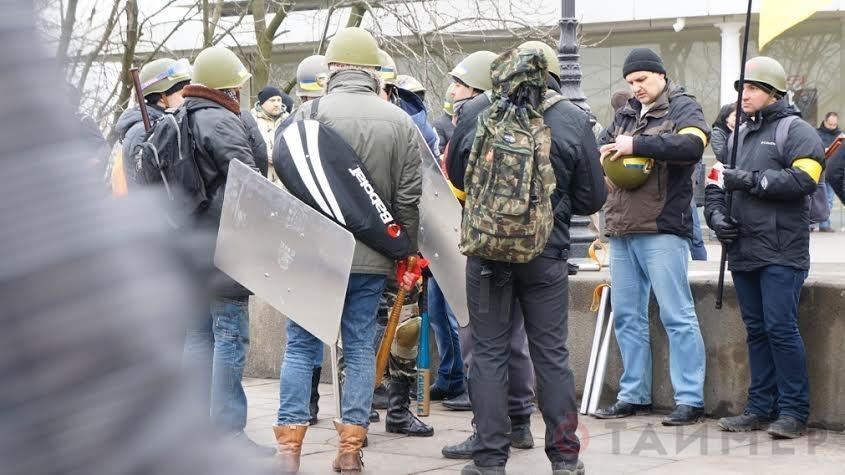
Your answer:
<point x="509" y="179"/>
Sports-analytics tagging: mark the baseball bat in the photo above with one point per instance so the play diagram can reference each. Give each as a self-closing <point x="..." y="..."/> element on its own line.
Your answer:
<point x="390" y="331"/>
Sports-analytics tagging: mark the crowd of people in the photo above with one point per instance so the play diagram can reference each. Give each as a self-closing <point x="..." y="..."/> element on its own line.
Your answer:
<point x="514" y="353"/>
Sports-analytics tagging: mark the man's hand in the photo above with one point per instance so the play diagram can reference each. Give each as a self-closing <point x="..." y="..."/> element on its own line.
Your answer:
<point x="408" y="276"/>
<point x="741" y="180"/>
<point x="725" y="227"/>
<point x="624" y="145"/>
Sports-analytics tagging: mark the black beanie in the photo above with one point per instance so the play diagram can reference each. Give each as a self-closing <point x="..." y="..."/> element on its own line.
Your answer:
<point x="643" y="59"/>
<point x="267" y="93"/>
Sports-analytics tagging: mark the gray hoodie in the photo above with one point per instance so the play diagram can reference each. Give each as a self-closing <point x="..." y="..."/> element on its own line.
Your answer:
<point x="130" y="131"/>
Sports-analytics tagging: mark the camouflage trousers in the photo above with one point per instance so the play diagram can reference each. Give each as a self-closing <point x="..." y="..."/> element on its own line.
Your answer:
<point x="403" y="352"/>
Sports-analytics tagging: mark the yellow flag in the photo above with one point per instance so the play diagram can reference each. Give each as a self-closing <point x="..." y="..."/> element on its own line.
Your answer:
<point x="777" y="16"/>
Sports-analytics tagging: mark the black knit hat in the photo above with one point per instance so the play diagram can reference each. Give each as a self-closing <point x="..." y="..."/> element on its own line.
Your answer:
<point x="267" y="93"/>
<point x="643" y="59"/>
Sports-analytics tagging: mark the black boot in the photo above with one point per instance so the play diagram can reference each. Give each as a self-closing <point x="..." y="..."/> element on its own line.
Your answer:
<point x="315" y="394"/>
<point x="399" y="419"/>
<point x="380" y="397"/>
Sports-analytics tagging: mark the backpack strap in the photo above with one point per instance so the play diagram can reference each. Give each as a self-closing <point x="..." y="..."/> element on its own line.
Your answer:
<point x="551" y="99"/>
<point x="782" y="132"/>
<point x="315" y="104"/>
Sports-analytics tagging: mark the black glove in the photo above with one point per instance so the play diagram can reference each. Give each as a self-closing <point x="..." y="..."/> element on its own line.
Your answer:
<point x="741" y="180"/>
<point x="725" y="227"/>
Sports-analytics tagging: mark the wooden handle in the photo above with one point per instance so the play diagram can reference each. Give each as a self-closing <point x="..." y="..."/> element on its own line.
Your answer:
<point x="390" y="331"/>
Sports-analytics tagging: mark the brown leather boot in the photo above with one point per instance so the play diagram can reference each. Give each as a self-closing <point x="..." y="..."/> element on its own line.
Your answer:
<point x="289" y="447"/>
<point x="349" y="455"/>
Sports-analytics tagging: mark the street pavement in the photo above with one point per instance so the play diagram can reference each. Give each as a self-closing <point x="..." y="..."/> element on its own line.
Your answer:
<point x="637" y="445"/>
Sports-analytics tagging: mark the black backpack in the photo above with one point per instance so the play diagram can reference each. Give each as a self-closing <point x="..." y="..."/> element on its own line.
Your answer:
<point x="319" y="167"/>
<point x="166" y="158"/>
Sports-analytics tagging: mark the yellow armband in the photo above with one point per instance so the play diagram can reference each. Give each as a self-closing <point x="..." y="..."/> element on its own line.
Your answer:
<point x="809" y="166"/>
<point x="695" y="131"/>
<point x="459" y="194"/>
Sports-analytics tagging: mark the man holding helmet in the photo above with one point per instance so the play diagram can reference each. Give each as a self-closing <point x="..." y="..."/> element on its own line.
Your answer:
<point x="766" y="232"/>
<point x="650" y="227"/>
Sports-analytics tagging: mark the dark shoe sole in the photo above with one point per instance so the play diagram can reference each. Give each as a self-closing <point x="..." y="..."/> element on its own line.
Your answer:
<point x="743" y="428"/>
<point x="785" y="435"/>
<point x="375" y="418"/>
<point x="399" y="430"/>
<point x="456" y="455"/>
<point x="456" y="408"/>
<point x="524" y="446"/>
<point x="688" y="422"/>
<point x="641" y="412"/>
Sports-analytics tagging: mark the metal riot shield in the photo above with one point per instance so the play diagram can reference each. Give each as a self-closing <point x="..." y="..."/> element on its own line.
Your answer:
<point x="440" y="234"/>
<point x="291" y="256"/>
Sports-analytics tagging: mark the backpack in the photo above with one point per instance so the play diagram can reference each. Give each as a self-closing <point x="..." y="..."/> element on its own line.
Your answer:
<point x="817" y="202"/>
<point x="166" y="158"/>
<point x="509" y="179"/>
<point x="316" y="165"/>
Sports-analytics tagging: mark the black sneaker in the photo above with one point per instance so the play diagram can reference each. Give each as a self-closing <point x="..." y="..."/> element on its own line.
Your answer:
<point x="684" y="415"/>
<point x="460" y="402"/>
<point x="437" y="394"/>
<point x="463" y="450"/>
<point x="568" y="468"/>
<point x="473" y="469"/>
<point x="623" y="409"/>
<point x="787" y="427"/>
<point x="744" y="422"/>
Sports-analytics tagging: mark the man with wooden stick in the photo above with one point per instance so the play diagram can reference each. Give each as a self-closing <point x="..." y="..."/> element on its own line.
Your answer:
<point x="778" y="165"/>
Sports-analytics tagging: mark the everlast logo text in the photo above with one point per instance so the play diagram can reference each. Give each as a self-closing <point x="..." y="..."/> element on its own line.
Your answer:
<point x="383" y="213"/>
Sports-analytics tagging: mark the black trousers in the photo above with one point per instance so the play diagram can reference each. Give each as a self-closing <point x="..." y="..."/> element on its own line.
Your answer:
<point x="540" y="287"/>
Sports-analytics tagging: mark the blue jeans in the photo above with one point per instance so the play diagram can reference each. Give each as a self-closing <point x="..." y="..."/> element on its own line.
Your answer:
<point x="216" y="346"/>
<point x="356" y="328"/>
<point x="450" y="374"/>
<point x="658" y="262"/>
<point x="768" y="300"/>
<point x="830" y="194"/>
<point x="697" y="250"/>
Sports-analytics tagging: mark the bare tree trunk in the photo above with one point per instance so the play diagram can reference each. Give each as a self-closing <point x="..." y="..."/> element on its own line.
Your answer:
<point x="356" y="15"/>
<point x="265" y="33"/>
<point x="89" y="61"/>
<point x="126" y="63"/>
<point x="67" y="30"/>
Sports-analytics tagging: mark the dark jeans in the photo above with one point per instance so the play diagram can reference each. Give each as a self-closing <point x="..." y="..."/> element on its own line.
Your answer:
<point x="768" y="300"/>
<point x="540" y="287"/>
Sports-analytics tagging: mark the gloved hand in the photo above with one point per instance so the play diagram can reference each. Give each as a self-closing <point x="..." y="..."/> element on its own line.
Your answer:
<point x="739" y="180"/>
<point x="408" y="276"/>
<point x="725" y="227"/>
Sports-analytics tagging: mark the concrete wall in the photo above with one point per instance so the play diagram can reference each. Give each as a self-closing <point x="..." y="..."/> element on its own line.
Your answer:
<point x="822" y="327"/>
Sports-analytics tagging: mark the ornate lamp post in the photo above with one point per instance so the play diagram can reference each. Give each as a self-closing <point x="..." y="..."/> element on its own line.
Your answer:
<point x="570" y="78"/>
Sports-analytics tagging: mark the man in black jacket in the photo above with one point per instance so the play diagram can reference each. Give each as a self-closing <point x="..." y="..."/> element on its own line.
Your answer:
<point x="835" y="174"/>
<point x="217" y="342"/>
<point x="540" y="288"/>
<point x="768" y="240"/>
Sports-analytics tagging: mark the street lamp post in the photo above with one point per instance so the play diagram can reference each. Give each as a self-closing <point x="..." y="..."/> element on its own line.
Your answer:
<point x="570" y="83"/>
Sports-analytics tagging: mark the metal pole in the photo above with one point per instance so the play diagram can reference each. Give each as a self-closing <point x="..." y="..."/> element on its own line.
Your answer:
<point x="570" y="85"/>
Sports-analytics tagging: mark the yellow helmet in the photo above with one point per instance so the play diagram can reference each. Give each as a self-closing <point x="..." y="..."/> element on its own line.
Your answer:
<point x="354" y="46"/>
<point x="627" y="172"/>
<point x="219" y="68"/>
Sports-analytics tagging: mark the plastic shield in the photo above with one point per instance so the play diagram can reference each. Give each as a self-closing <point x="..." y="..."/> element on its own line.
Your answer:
<point x="291" y="256"/>
<point x="440" y="234"/>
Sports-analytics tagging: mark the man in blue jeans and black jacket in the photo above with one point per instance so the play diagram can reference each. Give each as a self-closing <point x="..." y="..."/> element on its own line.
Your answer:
<point x="767" y="236"/>
<point x="650" y="229"/>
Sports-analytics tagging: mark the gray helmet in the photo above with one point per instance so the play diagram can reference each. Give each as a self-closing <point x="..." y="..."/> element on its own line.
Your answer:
<point x="409" y="83"/>
<point x="162" y="74"/>
<point x="311" y="76"/>
<point x="474" y="70"/>
<point x="766" y="71"/>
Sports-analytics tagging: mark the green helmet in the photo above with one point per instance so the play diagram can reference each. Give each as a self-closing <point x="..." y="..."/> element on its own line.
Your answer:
<point x="218" y="68"/>
<point x="387" y="67"/>
<point x="765" y="70"/>
<point x="354" y="46"/>
<point x="628" y="172"/>
<point x="548" y="52"/>
<point x="449" y="100"/>
<point x="409" y="83"/>
<point x="474" y="70"/>
<point x="311" y="76"/>
<point x="162" y="74"/>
